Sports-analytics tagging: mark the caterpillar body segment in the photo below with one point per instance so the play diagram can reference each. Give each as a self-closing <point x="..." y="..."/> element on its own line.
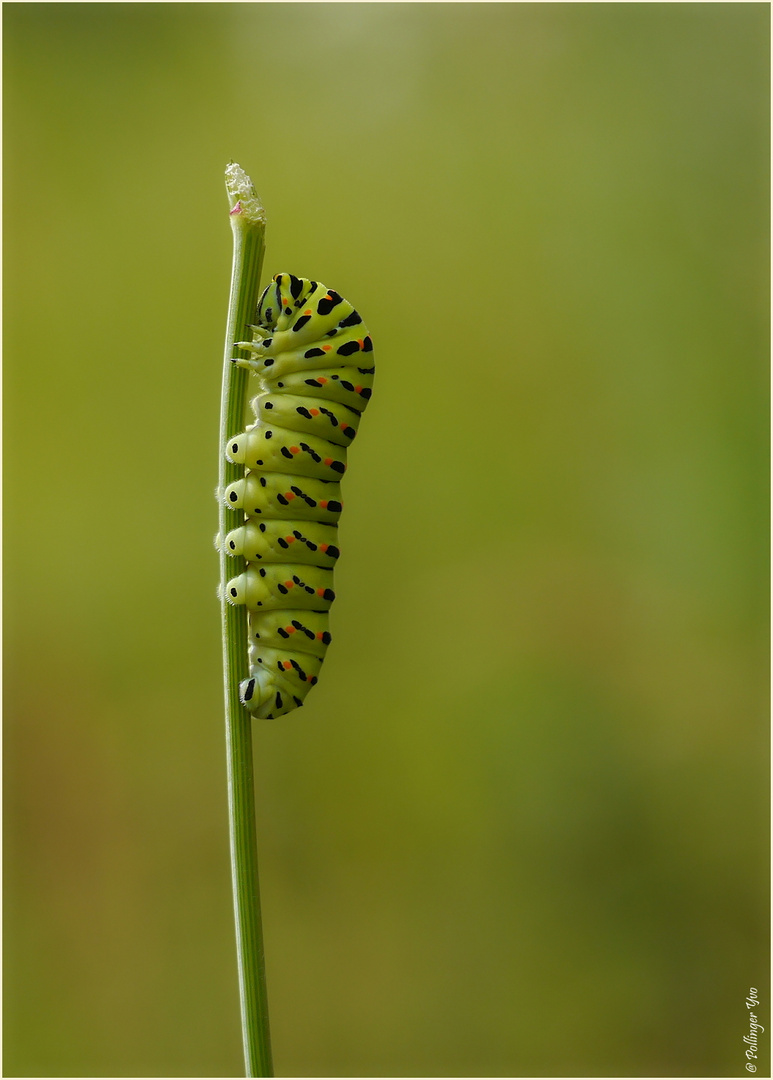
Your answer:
<point x="278" y="585"/>
<point x="280" y="495"/>
<point x="276" y="541"/>
<point x="328" y="420"/>
<point x="292" y="628"/>
<point x="275" y="449"/>
<point x="314" y="358"/>
<point x="283" y="354"/>
<point x="349" y="385"/>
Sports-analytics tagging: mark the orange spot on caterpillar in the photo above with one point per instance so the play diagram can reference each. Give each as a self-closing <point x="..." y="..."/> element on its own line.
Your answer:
<point x="323" y="504"/>
<point x="295" y="449"/>
<point x="357" y="389"/>
<point x="286" y="665"/>
<point x="328" y="461"/>
<point x="289" y="495"/>
<point x="321" y="379"/>
<point x="307" y="311"/>
<point x="290" y="539"/>
<point x="289" y="584"/>
<point x="320" y="592"/>
<point x="323" y="547"/>
<point x="320" y="635"/>
<point x="326" y="348"/>
<point x="314" y="412"/>
<point x="360" y="342"/>
<point x="289" y="629"/>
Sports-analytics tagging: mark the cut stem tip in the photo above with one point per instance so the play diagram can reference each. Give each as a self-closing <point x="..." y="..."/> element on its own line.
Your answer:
<point x="242" y="196"/>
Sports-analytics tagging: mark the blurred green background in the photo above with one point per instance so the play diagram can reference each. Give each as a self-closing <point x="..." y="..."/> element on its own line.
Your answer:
<point x="519" y="828"/>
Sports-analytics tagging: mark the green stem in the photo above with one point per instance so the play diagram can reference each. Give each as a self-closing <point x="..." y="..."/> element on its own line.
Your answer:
<point x="248" y="224"/>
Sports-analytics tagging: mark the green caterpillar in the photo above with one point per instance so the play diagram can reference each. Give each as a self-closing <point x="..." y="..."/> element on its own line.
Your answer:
<point x="314" y="357"/>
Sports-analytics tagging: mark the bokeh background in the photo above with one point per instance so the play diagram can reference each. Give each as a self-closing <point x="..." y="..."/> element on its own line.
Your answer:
<point x="519" y="828"/>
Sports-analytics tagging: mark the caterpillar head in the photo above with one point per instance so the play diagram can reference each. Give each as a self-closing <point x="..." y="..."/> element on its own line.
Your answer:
<point x="279" y="298"/>
<point x="270" y="305"/>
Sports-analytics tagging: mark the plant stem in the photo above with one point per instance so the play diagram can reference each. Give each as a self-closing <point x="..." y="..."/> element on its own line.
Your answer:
<point x="248" y="224"/>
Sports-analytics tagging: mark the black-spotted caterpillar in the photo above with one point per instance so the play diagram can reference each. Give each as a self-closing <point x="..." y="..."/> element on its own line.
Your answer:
<point x="314" y="357"/>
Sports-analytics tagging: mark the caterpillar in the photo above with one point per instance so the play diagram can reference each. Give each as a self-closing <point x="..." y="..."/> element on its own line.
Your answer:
<point x="314" y="358"/>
